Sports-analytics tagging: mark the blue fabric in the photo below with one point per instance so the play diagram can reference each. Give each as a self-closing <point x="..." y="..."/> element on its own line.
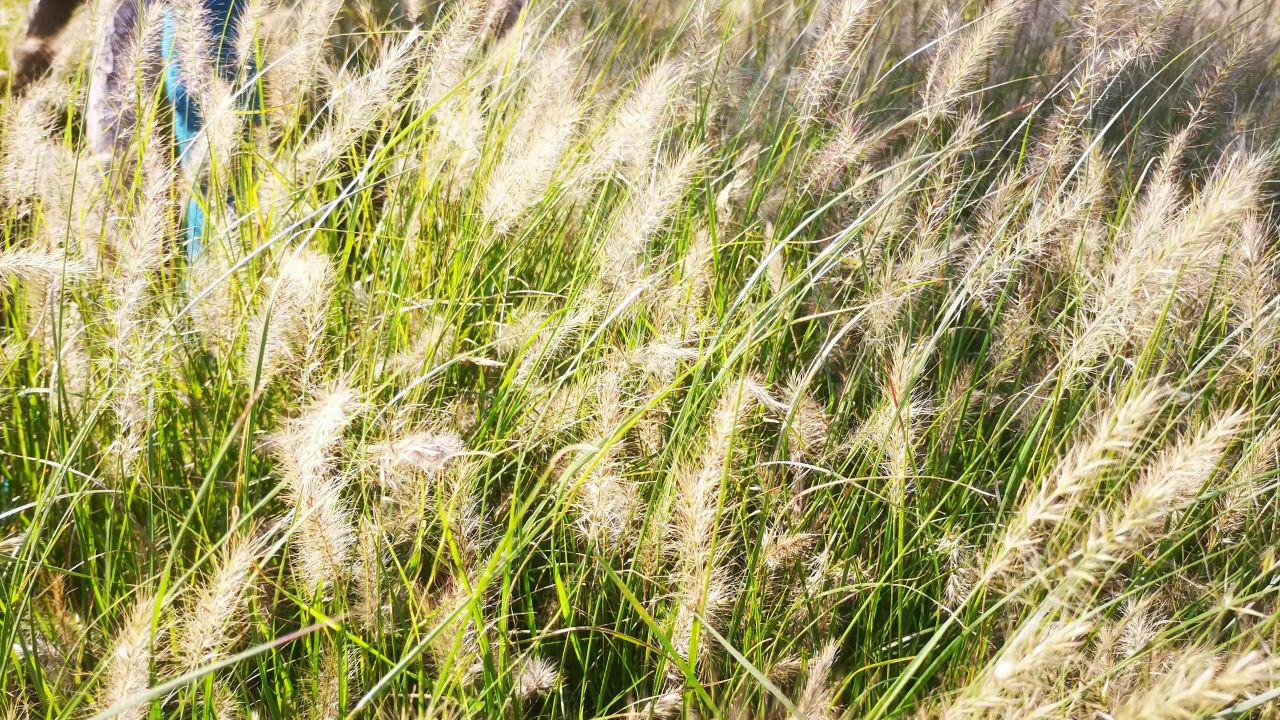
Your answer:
<point x="187" y="122"/>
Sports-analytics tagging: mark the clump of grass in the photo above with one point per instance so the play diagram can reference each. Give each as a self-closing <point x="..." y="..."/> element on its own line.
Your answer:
<point x="818" y="360"/>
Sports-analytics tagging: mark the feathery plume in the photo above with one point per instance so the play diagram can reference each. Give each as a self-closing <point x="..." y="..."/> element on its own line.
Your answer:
<point x="892" y="429"/>
<point x="538" y="138"/>
<point x="545" y="337"/>
<point x="535" y="676"/>
<point x="407" y="468"/>
<point x="324" y="532"/>
<point x="807" y="423"/>
<point x="785" y="669"/>
<point x="1235" y="505"/>
<point x="250" y="41"/>
<point x="896" y="283"/>
<point x="1253" y="277"/>
<point x="1071" y="480"/>
<point x="701" y="46"/>
<point x="425" y="451"/>
<point x="336" y="669"/>
<point x="213" y="619"/>
<point x="817" y="701"/>
<point x="139" y="255"/>
<point x="679" y="311"/>
<point x="1199" y="684"/>
<point x="31" y="158"/>
<point x="370" y="605"/>
<point x="193" y="47"/>
<point x="830" y="55"/>
<point x="777" y="548"/>
<point x="1149" y="267"/>
<point x="325" y="535"/>
<point x="432" y="338"/>
<point x="128" y="668"/>
<point x="628" y="141"/>
<point x="296" y="53"/>
<point x="660" y="707"/>
<point x="27" y="264"/>
<point x="140" y="251"/>
<point x="962" y="55"/>
<point x="448" y="53"/>
<point x="605" y="504"/>
<point x="1168" y="484"/>
<point x="289" y="330"/>
<point x="833" y="160"/>
<point x="643" y="214"/>
<point x="702" y="581"/>
<point x="358" y="105"/>
<point x="459" y="509"/>
<point x="123" y="86"/>
<point x="1027" y="662"/>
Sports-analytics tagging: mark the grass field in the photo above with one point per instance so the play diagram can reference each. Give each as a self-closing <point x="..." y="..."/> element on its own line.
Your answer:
<point x="858" y="358"/>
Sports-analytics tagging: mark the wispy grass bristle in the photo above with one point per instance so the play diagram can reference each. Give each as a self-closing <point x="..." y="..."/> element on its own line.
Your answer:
<point x="704" y="359"/>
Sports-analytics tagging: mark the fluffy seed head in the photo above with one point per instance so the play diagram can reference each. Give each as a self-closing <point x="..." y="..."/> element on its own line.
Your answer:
<point x="213" y="621"/>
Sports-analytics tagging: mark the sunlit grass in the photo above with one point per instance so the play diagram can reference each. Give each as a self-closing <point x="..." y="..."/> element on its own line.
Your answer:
<point x="666" y="360"/>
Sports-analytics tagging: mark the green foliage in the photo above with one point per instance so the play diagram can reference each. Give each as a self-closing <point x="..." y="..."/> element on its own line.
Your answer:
<point x="652" y="360"/>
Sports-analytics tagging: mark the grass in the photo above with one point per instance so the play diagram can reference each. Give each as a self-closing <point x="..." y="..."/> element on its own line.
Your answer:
<point x="866" y="360"/>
